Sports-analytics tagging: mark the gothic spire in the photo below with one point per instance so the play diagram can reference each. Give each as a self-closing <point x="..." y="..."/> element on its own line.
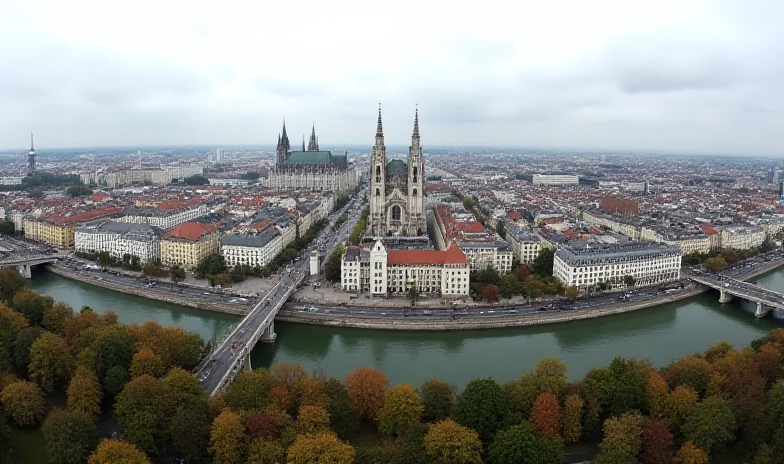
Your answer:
<point x="313" y="142"/>
<point x="416" y="123"/>
<point x="31" y="140"/>
<point x="303" y="142"/>
<point x="284" y="139"/>
<point x="379" y="129"/>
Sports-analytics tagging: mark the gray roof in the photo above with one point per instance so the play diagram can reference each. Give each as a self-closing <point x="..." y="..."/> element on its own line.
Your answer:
<point x="522" y="235"/>
<point x="580" y="253"/>
<point x="249" y="240"/>
<point x="141" y="232"/>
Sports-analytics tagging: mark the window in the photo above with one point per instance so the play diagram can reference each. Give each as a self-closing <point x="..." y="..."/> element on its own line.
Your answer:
<point x="378" y="192"/>
<point x="416" y="171"/>
<point x="415" y="190"/>
<point x="396" y="213"/>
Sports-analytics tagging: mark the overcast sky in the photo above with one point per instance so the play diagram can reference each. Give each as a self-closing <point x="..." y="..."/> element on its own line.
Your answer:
<point x="705" y="76"/>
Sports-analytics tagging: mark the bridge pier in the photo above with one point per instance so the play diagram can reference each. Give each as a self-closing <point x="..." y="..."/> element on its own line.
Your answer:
<point x="247" y="362"/>
<point x="24" y="270"/>
<point x="762" y="310"/>
<point x="724" y="297"/>
<point x="269" y="334"/>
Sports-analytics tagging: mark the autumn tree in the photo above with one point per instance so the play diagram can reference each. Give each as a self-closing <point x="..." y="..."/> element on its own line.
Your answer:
<point x="520" y="396"/>
<point x="11" y="283"/>
<point x="32" y="305"/>
<point x="69" y="436"/>
<point x="439" y="400"/>
<point x="20" y="349"/>
<point x="691" y="454"/>
<point x="320" y="448"/>
<point x="447" y="442"/>
<point x="226" y="439"/>
<point x="571" y="418"/>
<point x="715" y="264"/>
<point x="622" y="439"/>
<point x="56" y="318"/>
<point x="657" y="395"/>
<point x="50" y="361"/>
<point x="549" y="375"/>
<point x="710" y="423"/>
<point x="491" y="293"/>
<point x="312" y="420"/>
<point x="189" y="427"/>
<point x="692" y="371"/>
<point x="263" y="451"/>
<point x="521" y="443"/>
<point x="483" y="407"/>
<point x="262" y="424"/>
<point x="545" y="415"/>
<point x="343" y="418"/>
<point x="145" y="362"/>
<point x="117" y="452"/>
<point x="402" y="409"/>
<point x="250" y="390"/>
<point x="84" y="393"/>
<point x="143" y="410"/>
<point x="366" y="387"/>
<point x="23" y="402"/>
<point x="656" y="443"/>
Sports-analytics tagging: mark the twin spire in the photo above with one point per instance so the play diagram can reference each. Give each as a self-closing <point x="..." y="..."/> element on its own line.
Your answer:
<point x="380" y="129"/>
<point x="285" y="145"/>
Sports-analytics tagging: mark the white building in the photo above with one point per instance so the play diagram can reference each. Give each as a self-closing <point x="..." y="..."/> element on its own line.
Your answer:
<point x="11" y="180"/>
<point x="584" y="265"/>
<point x="219" y="155"/>
<point x="118" y="239"/>
<point x="381" y="272"/>
<point x="525" y="245"/>
<point x="484" y="254"/>
<point x="252" y="250"/>
<point x="555" y="179"/>
<point x="182" y="171"/>
<point x="742" y="237"/>
<point x="165" y="219"/>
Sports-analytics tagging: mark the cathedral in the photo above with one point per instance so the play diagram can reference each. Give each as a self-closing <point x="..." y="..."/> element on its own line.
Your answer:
<point x="310" y="169"/>
<point x="397" y="189"/>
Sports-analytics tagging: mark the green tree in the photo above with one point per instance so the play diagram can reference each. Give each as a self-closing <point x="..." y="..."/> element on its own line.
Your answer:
<point x="629" y="280"/>
<point x="69" y="437"/>
<point x="143" y="410"/>
<point x="266" y="452"/>
<point x="113" y="348"/>
<point x="571" y="292"/>
<point x="342" y="417"/>
<point x="332" y="266"/>
<point x="117" y="452"/>
<point x="151" y="269"/>
<point x="447" y="442"/>
<point x="78" y="191"/>
<point x="715" y="264"/>
<point x="32" y="305"/>
<point x="712" y="422"/>
<point x="50" y="362"/>
<point x="520" y="395"/>
<point x="177" y="274"/>
<point x="520" y="443"/>
<point x="7" y="227"/>
<point x="483" y="407"/>
<point x="84" y="393"/>
<point x="23" y="402"/>
<point x="510" y="286"/>
<point x="413" y="292"/>
<point x="549" y="375"/>
<point x="439" y="400"/>
<point x="402" y="409"/>
<point x="56" y="318"/>
<point x="249" y="390"/>
<point x="196" y="179"/>
<point x="189" y="428"/>
<point x="21" y="349"/>
<point x="622" y="439"/>
<point x="11" y="283"/>
<point x="211" y="265"/>
<point x="226" y="439"/>
<point x="543" y="264"/>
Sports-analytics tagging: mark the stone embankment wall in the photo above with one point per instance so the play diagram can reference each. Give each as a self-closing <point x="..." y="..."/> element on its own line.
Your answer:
<point x="152" y="295"/>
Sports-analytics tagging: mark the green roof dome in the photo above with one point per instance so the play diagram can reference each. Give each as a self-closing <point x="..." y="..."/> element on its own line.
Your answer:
<point x="396" y="167"/>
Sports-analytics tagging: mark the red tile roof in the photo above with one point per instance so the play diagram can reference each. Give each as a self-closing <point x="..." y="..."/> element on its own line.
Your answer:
<point x="453" y="255"/>
<point x="192" y="231"/>
<point x="611" y="204"/>
<point x="81" y="217"/>
<point x="708" y="229"/>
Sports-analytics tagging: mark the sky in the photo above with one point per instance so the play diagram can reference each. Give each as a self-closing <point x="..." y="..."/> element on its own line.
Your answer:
<point x="684" y="76"/>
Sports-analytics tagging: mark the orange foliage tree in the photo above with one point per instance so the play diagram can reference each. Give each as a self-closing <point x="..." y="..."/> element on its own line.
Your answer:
<point x="572" y="418"/>
<point x="367" y="388"/>
<point x="545" y="414"/>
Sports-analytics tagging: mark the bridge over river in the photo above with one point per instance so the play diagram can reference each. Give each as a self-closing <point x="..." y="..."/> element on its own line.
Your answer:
<point x="730" y="287"/>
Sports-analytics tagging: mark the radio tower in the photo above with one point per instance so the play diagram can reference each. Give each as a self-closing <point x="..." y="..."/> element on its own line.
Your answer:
<point x="31" y="157"/>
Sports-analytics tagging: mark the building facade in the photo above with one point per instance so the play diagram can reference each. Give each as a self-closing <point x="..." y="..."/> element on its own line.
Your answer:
<point x="584" y="265"/>
<point x="252" y="250"/>
<point x="555" y="179"/>
<point x="189" y="243"/>
<point x="397" y="193"/>
<point x="742" y="237"/>
<point x="525" y="245"/>
<point x="119" y="239"/>
<point x="165" y="219"/>
<point x="381" y="272"/>
<point x="56" y="235"/>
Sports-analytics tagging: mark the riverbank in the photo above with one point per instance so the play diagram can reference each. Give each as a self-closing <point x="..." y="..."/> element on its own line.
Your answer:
<point x="236" y="310"/>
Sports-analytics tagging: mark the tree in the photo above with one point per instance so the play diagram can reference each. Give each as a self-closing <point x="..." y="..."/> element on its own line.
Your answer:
<point x="84" y="393"/>
<point x="189" y="427"/>
<point x="143" y="410"/>
<point x="366" y="387"/>
<point x="11" y="283"/>
<point x="32" y="305"/>
<point x="510" y="286"/>
<point x="714" y="265"/>
<point x="482" y="407"/>
<point x="543" y="264"/>
<point x="226" y="439"/>
<point x="680" y="405"/>
<point x="622" y="439"/>
<point x="68" y="436"/>
<point x="151" y="269"/>
<point x="447" y="442"/>
<point x="7" y="227"/>
<point x="23" y="403"/>
<point x="546" y="415"/>
<point x="691" y="454"/>
<point x="78" y="191"/>
<point x="343" y="418"/>
<point x="249" y="390"/>
<point x="439" y="400"/>
<point x="50" y="362"/>
<point x="712" y="422"/>
<point x="266" y="452"/>
<point x="656" y="443"/>
<point x="21" y="349"/>
<point x="571" y="419"/>
<point x="520" y="443"/>
<point x="56" y="317"/>
<point x="312" y="420"/>
<point x="265" y="424"/>
<point x="657" y="395"/>
<point x="572" y="292"/>
<point x="196" y="179"/>
<point x="145" y="362"/>
<point x="321" y="448"/>
<point x="117" y="452"/>
<point x="692" y="371"/>
<point x="332" y="266"/>
<point x="224" y="280"/>
<point x="491" y="293"/>
<point x="177" y="274"/>
<point x="413" y="293"/>
<point x="629" y="280"/>
<point x="549" y="375"/>
<point x="402" y="409"/>
<point x="115" y="379"/>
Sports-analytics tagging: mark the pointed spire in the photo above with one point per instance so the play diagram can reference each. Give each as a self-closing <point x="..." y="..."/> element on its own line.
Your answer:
<point x="379" y="129"/>
<point x="303" y="142"/>
<point x="284" y="139"/>
<point x="31" y="140"/>
<point x="416" y="122"/>
<point x="313" y="132"/>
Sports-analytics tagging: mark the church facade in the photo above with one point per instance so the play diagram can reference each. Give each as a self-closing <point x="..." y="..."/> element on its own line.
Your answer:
<point x="310" y="168"/>
<point x="397" y="189"/>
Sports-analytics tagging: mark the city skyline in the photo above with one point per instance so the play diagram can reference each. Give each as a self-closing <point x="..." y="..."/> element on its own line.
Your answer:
<point x="666" y="77"/>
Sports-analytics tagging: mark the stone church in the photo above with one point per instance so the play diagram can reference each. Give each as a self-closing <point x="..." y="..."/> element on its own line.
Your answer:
<point x="397" y="189"/>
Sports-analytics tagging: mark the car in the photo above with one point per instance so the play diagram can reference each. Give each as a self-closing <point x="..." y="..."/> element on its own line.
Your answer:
<point x="204" y="374"/>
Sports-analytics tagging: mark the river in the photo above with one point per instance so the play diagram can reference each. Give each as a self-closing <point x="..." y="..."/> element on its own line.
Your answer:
<point x="660" y="334"/>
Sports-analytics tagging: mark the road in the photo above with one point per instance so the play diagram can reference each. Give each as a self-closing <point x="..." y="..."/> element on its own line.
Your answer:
<point x="229" y="354"/>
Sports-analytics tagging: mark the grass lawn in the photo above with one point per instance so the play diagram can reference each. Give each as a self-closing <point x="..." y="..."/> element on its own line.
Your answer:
<point x="28" y="445"/>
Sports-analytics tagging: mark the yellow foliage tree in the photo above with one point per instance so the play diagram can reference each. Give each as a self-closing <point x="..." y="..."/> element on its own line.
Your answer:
<point x="402" y="409"/>
<point x="117" y="452"/>
<point x="312" y="420"/>
<point x="226" y="439"/>
<point x="448" y="442"/>
<point x="691" y="454"/>
<point x="322" y="448"/>
<point x="84" y="393"/>
<point x="145" y="362"/>
<point x="571" y="418"/>
<point x="366" y="388"/>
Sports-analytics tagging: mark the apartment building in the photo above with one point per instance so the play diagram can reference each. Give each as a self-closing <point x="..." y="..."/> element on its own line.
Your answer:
<point x="57" y="229"/>
<point x="161" y="217"/>
<point x="555" y="179"/>
<point x="383" y="272"/>
<point x="525" y="245"/>
<point x="742" y="237"/>
<point x="252" y="250"/>
<point x="189" y="243"/>
<point x="119" y="239"/>
<point x="583" y="265"/>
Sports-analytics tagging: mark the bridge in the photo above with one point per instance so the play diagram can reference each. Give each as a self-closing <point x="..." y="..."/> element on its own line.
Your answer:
<point x="233" y="353"/>
<point x="25" y="263"/>
<point x="729" y="287"/>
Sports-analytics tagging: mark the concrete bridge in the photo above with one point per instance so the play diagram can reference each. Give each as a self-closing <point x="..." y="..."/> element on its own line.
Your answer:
<point x="729" y="287"/>
<point x="26" y="263"/>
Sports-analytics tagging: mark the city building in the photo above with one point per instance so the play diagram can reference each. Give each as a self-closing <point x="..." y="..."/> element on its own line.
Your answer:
<point x="584" y="265"/>
<point x="164" y="216"/>
<point x="397" y="193"/>
<point x="310" y="169"/>
<point x="742" y="237"/>
<point x="555" y="179"/>
<point x="483" y="247"/>
<point x="251" y="249"/>
<point x="219" y="156"/>
<point x="119" y="239"/>
<point x="525" y="245"/>
<point x="11" y="180"/>
<point x="189" y="243"/>
<point x="57" y="229"/>
<point x="383" y="272"/>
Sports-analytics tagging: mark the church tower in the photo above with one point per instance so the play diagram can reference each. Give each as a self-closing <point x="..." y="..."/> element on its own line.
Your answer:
<point x="416" y="184"/>
<point x="283" y="149"/>
<point x="378" y="164"/>
<point x="313" y="143"/>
